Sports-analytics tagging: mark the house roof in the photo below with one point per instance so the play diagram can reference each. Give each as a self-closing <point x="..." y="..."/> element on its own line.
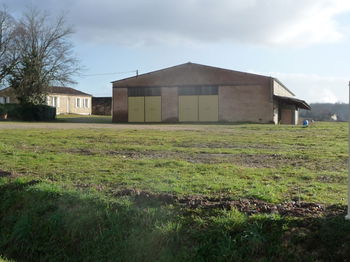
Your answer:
<point x="192" y="74"/>
<point x="59" y="90"/>
<point x="293" y="101"/>
<point x="66" y="91"/>
<point x="5" y="89"/>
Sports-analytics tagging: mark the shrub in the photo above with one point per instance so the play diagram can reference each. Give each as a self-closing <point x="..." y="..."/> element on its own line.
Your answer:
<point x="30" y="112"/>
<point x="13" y="110"/>
<point x="37" y="112"/>
<point x="3" y="109"/>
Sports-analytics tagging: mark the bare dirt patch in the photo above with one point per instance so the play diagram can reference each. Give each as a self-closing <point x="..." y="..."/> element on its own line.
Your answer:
<point x="241" y="159"/>
<point x="332" y="179"/>
<point x="9" y="174"/>
<point x="225" y="145"/>
<point x="248" y="160"/>
<point x="247" y="206"/>
<point x="146" y="154"/>
<point x="5" y="173"/>
<point x="82" y="151"/>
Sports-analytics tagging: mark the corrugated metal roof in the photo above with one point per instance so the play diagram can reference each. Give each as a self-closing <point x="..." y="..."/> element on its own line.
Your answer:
<point x="293" y="101"/>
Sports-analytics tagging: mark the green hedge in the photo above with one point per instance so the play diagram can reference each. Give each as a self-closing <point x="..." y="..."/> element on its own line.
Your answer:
<point x="3" y="109"/>
<point x="29" y="112"/>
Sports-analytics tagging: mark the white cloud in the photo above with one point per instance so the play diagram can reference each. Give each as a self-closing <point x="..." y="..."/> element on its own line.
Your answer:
<point x="327" y="96"/>
<point x="315" y="23"/>
<point x="258" y="22"/>
<point x="315" y="88"/>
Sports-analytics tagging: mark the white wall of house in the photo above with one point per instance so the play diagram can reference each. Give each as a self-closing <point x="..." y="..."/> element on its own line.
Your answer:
<point x="70" y="104"/>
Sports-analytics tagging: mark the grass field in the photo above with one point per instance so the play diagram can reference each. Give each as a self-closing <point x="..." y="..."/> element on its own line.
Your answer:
<point x="72" y="118"/>
<point x="170" y="193"/>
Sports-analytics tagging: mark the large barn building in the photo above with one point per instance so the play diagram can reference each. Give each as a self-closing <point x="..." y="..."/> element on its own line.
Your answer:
<point x="198" y="93"/>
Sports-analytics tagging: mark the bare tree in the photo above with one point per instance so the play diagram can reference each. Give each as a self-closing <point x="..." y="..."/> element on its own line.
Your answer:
<point x="45" y="57"/>
<point x="8" y="54"/>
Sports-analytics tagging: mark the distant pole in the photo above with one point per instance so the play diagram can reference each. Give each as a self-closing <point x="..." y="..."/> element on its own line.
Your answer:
<point x="348" y="215"/>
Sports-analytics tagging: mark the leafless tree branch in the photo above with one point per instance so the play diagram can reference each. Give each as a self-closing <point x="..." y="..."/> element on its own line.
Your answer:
<point x="45" y="56"/>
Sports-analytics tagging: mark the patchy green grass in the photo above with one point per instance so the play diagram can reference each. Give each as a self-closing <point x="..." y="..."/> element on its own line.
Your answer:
<point x="4" y="259"/>
<point x="59" y="193"/>
<point x="273" y="163"/>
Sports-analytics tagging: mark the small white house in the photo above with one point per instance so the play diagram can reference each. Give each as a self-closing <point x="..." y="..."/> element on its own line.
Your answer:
<point x="67" y="100"/>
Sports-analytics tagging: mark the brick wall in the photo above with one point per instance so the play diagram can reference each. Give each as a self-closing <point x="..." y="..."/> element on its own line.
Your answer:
<point x="245" y="104"/>
<point x="102" y="106"/>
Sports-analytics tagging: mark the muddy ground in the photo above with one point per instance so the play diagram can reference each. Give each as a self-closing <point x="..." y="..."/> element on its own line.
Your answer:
<point x="240" y="159"/>
<point x="244" y="205"/>
<point x="247" y="206"/>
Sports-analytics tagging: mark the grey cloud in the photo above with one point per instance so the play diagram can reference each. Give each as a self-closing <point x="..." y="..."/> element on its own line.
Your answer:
<point x="256" y="22"/>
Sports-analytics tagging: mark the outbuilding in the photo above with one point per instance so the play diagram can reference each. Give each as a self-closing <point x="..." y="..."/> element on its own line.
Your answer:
<point x="199" y="93"/>
<point x="67" y="100"/>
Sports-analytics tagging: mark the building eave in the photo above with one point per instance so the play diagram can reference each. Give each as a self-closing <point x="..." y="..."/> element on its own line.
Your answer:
<point x="294" y="101"/>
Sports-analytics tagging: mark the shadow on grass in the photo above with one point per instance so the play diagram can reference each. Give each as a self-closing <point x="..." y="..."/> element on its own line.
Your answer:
<point x="101" y="119"/>
<point x="95" y="119"/>
<point x="45" y="222"/>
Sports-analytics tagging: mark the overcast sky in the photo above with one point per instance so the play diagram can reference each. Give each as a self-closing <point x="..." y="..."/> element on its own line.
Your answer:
<point x="304" y="43"/>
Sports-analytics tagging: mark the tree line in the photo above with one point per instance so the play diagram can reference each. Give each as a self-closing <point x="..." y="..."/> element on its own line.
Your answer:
<point x="327" y="112"/>
<point x="36" y="52"/>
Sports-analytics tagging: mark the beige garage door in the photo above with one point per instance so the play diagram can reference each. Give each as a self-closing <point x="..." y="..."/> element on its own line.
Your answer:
<point x="188" y="108"/>
<point x="136" y="109"/>
<point x="208" y="108"/>
<point x="153" y="109"/>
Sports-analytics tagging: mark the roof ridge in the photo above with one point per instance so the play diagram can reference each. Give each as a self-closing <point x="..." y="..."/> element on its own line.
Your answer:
<point x="69" y="90"/>
<point x="189" y="64"/>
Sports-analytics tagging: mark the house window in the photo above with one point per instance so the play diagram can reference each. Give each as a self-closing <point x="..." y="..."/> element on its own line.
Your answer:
<point x="86" y="103"/>
<point x="55" y="101"/>
<point x="4" y="100"/>
<point x="77" y="103"/>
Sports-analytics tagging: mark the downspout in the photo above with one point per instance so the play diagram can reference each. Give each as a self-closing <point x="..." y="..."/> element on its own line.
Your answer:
<point x="348" y="215"/>
<point x="272" y="101"/>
